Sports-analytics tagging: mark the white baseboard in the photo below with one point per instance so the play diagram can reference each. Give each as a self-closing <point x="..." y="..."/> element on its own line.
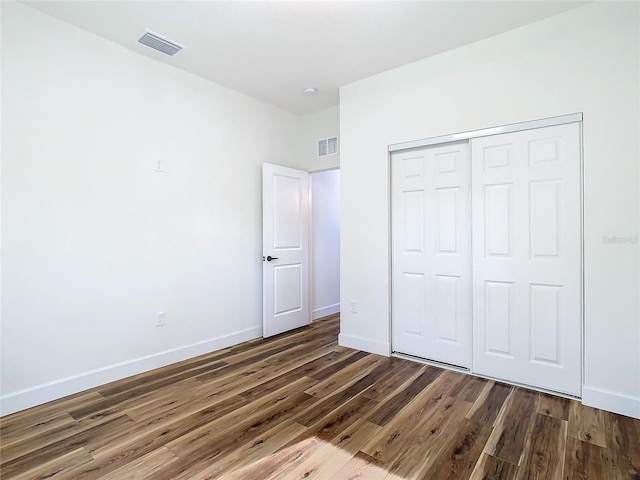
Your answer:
<point x="324" y="311"/>
<point x="610" y="401"/>
<point x="30" y="397"/>
<point x="365" y="344"/>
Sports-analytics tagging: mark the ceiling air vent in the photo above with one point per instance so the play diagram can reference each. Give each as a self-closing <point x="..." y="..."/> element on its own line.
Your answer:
<point x="327" y="146"/>
<point x="159" y="43"/>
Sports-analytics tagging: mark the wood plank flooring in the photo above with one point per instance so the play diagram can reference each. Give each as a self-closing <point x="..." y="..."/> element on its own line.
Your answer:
<point x="298" y="406"/>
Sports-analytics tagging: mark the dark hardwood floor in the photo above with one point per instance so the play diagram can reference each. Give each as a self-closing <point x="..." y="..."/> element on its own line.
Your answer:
<point x="297" y="406"/>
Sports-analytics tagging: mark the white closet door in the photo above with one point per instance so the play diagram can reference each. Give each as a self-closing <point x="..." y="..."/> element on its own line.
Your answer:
<point x="526" y="257"/>
<point x="431" y="312"/>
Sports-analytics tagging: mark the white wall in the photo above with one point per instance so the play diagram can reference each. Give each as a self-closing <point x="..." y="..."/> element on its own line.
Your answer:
<point x="586" y="60"/>
<point x="325" y="243"/>
<point x="94" y="240"/>
<point x="314" y="127"/>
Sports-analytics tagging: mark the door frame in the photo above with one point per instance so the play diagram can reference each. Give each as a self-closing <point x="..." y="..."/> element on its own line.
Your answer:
<point x="485" y="132"/>
<point x="309" y="235"/>
<point x="311" y="246"/>
<point x="467" y="136"/>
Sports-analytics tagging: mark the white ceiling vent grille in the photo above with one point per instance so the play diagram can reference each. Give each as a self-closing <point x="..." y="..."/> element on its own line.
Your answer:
<point x="159" y="43"/>
<point x="327" y="146"/>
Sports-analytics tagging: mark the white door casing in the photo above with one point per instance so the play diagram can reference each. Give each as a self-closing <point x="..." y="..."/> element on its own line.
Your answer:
<point x="527" y="257"/>
<point x="285" y="240"/>
<point x="431" y="299"/>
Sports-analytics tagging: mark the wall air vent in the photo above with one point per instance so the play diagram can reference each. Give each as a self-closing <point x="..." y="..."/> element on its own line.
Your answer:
<point x="159" y="43"/>
<point x="327" y="146"/>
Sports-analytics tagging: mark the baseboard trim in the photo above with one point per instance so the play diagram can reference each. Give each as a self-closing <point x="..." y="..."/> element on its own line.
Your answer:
<point x="611" y="401"/>
<point x="325" y="311"/>
<point x="46" y="392"/>
<point x="364" y="344"/>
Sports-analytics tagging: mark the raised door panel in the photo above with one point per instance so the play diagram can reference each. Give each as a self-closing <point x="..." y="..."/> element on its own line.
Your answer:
<point x="287" y="221"/>
<point x="446" y="230"/>
<point x="287" y="292"/>
<point x="545" y="215"/>
<point x="498" y="224"/>
<point x="544" y="324"/>
<point x="499" y="318"/>
<point x="412" y="215"/>
<point x="446" y="310"/>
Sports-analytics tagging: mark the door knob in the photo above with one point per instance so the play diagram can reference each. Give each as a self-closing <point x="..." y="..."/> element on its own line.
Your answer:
<point x="269" y="258"/>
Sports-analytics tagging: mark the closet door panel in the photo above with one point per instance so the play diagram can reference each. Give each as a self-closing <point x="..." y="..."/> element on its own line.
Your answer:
<point x="431" y="304"/>
<point x="527" y="257"/>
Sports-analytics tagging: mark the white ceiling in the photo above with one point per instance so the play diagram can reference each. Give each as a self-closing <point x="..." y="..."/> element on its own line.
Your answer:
<point x="272" y="50"/>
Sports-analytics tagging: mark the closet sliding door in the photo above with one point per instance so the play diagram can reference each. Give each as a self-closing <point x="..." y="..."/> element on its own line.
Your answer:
<point x="431" y="224"/>
<point x="527" y="257"/>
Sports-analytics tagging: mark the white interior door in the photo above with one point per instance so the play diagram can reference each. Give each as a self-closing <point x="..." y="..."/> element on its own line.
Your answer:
<point x="285" y="247"/>
<point x="431" y="305"/>
<point x="526" y="257"/>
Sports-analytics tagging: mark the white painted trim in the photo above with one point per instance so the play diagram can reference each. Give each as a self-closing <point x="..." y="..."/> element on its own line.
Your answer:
<point x="485" y="132"/>
<point x="316" y="313"/>
<point x="322" y="169"/>
<point x="30" y="397"/>
<point x="324" y="311"/>
<point x="611" y="401"/>
<point x="583" y="327"/>
<point x="310" y="284"/>
<point x="364" y="344"/>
